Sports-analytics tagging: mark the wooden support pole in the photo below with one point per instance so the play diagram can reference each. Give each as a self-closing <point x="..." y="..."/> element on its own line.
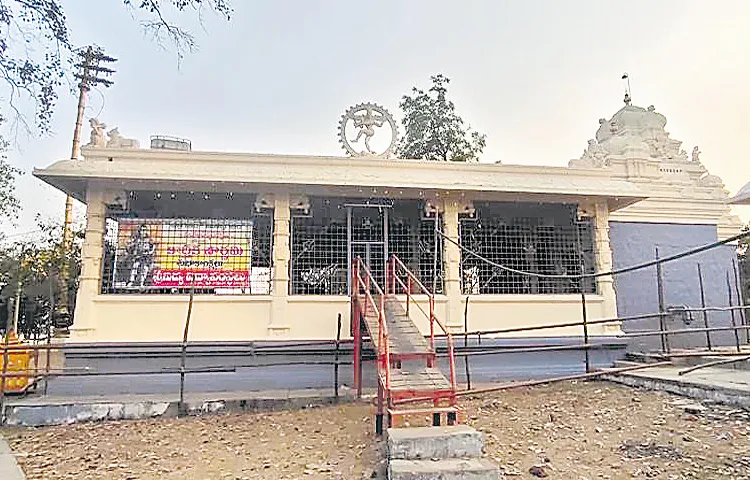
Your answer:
<point x="181" y="407"/>
<point x="703" y="305"/>
<point x="731" y="312"/>
<point x="336" y="359"/>
<point x="660" y="295"/>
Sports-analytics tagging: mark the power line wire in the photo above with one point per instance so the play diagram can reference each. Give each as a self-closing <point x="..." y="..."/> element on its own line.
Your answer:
<point x="632" y="268"/>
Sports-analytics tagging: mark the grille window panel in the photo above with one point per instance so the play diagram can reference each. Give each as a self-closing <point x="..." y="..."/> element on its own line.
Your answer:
<point x="319" y="245"/>
<point x="412" y="238"/>
<point x="177" y="242"/>
<point x="545" y="241"/>
<point x="319" y="251"/>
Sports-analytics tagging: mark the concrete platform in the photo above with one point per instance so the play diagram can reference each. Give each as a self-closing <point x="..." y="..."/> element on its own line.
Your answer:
<point x="446" y="469"/>
<point x="421" y="443"/>
<point x="721" y="385"/>
<point x="39" y="411"/>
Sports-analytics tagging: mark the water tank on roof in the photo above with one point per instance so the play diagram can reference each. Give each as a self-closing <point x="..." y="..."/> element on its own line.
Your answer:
<point x="167" y="142"/>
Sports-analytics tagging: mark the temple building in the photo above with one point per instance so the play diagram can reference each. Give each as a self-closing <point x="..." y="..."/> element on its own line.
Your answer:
<point x="266" y="242"/>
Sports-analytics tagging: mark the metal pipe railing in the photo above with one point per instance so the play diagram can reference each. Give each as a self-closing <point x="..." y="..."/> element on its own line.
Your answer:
<point x="411" y="279"/>
<point x="384" y="354"/>
<point x="603" y="321"/>
<point x="531" y="383"/>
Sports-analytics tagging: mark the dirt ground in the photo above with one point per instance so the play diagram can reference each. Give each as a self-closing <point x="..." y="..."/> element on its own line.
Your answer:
<point x="571" y="430"/>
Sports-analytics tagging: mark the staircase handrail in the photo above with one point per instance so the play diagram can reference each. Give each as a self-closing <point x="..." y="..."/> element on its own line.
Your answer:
<point x="412" y="279"/>
<point x="384" y="354"/>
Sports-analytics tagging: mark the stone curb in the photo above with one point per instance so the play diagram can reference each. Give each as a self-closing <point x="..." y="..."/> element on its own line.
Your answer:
<point x="9" y="469"/>
<point x="38" y="413"/>
<point x="714" y="393"/>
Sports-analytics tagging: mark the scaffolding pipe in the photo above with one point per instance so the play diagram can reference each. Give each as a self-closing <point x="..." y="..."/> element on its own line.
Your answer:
<point x="734" y="320"/>
<point x="181" y="409"/>
<point x="703" y="305"/>
<point x="660" y="295"/>
<point x="714" y="363"/>
<point x="648" y="333"/>
<point x="3" y="376"/>
<point x="700" y="353"/>
<point x="740" y="299"/>
<point x="532" y="383"/>
<point x="466" y="343"/>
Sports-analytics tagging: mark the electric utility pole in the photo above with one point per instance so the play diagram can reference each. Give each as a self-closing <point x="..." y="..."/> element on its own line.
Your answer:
<point x="90" y="73"/>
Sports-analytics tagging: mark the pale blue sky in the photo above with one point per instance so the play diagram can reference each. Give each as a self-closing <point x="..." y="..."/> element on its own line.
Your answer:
<point x="535" y="76"/>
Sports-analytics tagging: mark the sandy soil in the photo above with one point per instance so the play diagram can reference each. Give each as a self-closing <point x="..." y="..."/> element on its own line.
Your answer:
<point x="564" y="431"/>
<point x="605" y="431"/>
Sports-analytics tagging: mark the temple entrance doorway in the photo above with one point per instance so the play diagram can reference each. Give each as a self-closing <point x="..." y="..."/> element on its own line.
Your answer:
<point x="367" y="236"/>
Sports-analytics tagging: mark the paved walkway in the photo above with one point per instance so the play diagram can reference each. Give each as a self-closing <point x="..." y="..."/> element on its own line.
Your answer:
<point x="9" y="469"/>
<point x="723" y="385"/>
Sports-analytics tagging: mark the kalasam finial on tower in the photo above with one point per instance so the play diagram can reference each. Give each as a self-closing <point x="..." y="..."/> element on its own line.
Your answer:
<point x="626" y="77"/>
<point x="366" y="117"/>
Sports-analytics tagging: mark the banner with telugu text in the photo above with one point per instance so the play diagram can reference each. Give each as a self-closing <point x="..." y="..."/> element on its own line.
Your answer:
<point x="183" y="253"/>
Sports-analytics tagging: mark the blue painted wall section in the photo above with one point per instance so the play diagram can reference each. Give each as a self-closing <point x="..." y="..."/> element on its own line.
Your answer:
<point x="248" y="376"/>
<point x="634" y="243"/>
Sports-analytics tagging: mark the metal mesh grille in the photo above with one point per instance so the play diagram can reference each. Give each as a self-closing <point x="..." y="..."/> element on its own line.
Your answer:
<point x="336" y="230"/>
<point x="413" y="239"/>
<point x="537" y="239"/>
<point x="319" y="250"/>
<point x="368" y="235"/>
<point x="170" y="244"/>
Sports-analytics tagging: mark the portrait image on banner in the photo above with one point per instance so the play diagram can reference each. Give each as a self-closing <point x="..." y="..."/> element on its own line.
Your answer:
<point x="180" y="253"/>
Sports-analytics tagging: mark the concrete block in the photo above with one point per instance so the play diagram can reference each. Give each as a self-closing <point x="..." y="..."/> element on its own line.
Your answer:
<point x="39" y="415"/>
<point x="456" y="441"/>
<point x="445" y="469"/>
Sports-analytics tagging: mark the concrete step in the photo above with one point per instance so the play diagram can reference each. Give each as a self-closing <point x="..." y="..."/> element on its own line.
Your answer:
<point x="455" y="441"/>
<point x="445" y="469"/>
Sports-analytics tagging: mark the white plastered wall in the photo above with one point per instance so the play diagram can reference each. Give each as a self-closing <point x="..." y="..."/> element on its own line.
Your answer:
<point x="280" y="316"/>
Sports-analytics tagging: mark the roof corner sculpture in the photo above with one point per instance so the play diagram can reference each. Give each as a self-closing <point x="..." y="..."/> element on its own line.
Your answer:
<point x="112" y="139"/>
<point x="365" y="117"/>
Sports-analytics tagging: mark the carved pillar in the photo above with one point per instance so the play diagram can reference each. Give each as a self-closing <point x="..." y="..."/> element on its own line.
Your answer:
<point x="92" y="252"/>
<point x="278" y="324"/>
<point x="603" y="251"/>
<point x="452" y="255"/>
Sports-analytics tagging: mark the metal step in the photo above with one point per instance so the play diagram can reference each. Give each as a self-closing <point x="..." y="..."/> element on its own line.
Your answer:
<point x="419" y="379"/>
<point x="405" y="340"/>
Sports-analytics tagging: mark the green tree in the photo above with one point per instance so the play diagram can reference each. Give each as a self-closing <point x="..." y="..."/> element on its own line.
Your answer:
<point x="433" y="129"/>
<point x="37" y="60"/>
<point x="36" y="265"/>
<point x="9" y="204"/>
<point x="37" y="55"/>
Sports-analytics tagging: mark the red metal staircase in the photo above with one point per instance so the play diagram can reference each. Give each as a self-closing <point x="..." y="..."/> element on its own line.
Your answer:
<point x="405" y="358"/>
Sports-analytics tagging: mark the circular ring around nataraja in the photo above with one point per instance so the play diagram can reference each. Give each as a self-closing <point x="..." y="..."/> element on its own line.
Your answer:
<point x="365" y="117"/>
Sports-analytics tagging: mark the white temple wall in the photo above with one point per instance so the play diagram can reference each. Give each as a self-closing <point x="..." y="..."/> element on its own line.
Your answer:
<point x="281" y="316"/>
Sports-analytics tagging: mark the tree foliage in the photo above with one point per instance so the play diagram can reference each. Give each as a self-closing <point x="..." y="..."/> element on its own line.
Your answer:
<point x="9" y="204"/>
<point x="37" y="265"/>
<point x="37" y="54"/>
<point x="433" y="129"/>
